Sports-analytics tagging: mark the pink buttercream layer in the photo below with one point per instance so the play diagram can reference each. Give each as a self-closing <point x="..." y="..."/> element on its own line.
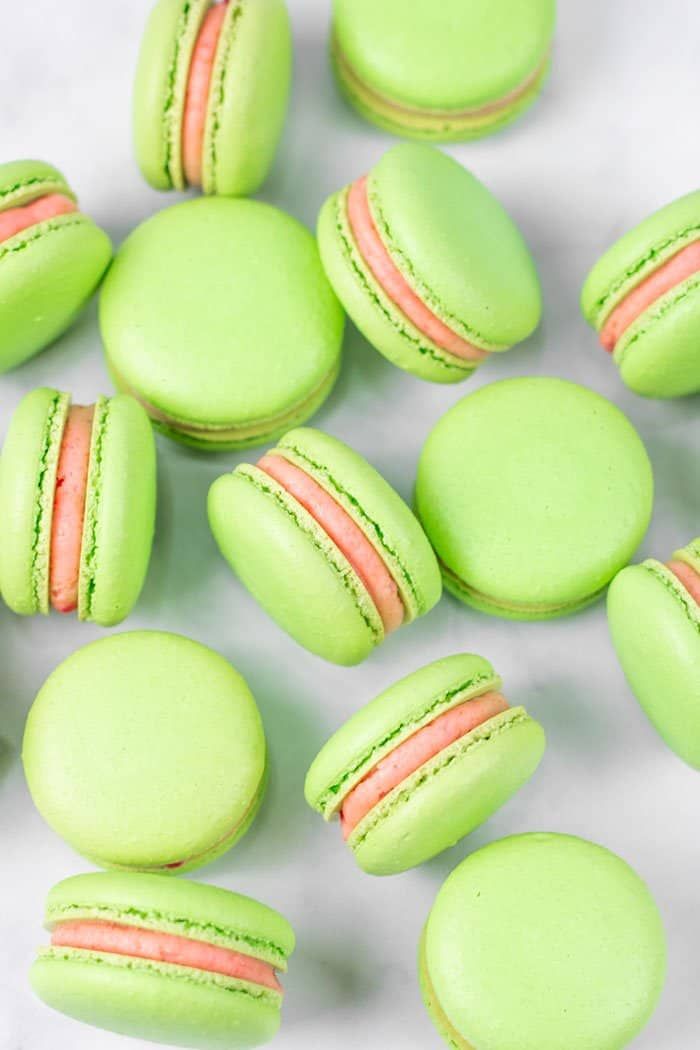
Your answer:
<point x="69" y="508"/>
<point x="414" y="753"/>
<point x="132" y="941"/>
<point x="198" y="91"/>
<point x="346" y="535"/>
<point x="14" y="220"/>
<point x="688" y="577"/>
<point x="392" y="281"/>
<point x="677" y="269"/>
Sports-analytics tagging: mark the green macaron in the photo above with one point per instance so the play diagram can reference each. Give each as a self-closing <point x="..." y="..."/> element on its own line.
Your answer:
<point x="542" y="942"/>
<point x="219" y="93"/>
<point x="146" y="751"/>
<point x="423" y="764"/>
<point x="52" y="257"/>
<point x="654" y="616"/>
<point x="534" y="493"/>
<point x="162" y="959"/>
<point x="643" y="297"/>
<point x="325" y="544"/>
<point x="217" y="316"/>
<point x="445" y="71"/>
<point x="429" y="265"/>
<point x="109" y="467"/>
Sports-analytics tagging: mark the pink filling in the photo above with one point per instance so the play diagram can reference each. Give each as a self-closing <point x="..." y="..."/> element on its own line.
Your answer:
<point x="69" y="508"/>
<point x="198" y="89"/>
<point x="14" y="220"/>
<point x="415" y="752"/>
<point x="677" y="269"/>
<point x="390" y="279"/>
<point x="346" y="535"/>
<point x="688" y="577"/>
<point x="95" y="936"/>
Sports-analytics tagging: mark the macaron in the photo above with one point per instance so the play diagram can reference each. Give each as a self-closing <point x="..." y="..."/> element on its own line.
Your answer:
<point x="442" y="72"/>
<point x="422" y="765"/>
<point x="643" y="299"/>
<point x="145" y="751"/>
<point x="211" y="92"/>
<point x="654" y="616"/>
<point x="325" y="545"/>
<point x="534" y="492"/>
<point x="78" y="502"/>
<point x="217" y="316"/>
<point x="430" y="267"/>
<point x="162" y="959"/>
<point x="542" y="942"/>
<point x="52" y="255"/>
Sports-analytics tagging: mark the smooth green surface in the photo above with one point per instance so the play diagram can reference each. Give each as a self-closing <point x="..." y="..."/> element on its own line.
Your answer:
<point x="296" y="572"/>
<point x="433" y="66"/>
<point x="145" y="750"/>
<point x="534" y="493"/>
<point x="48" y="271"/>
<point x="454" y="244"/>
<point x="542" y="942"/>
<point x="248" y="94"/>
<point x="655" y="628"/>
<point x="218" y="316"/>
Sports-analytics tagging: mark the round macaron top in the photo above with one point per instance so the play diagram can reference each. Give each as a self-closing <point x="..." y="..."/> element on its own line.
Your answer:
<point x="453" y="56"/>
<point x="145" y="750"/>
<point x="217" y="315"/>
<point x="534" y="492"/>
<point x="24" y="181"/>
<point x="543" y="941"/>
<point x="388" y="720"/>
<point x="455" y="245"/>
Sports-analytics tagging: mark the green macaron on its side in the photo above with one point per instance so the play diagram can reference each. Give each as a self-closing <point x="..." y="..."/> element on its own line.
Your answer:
<point x="146" y="751"/>
<point x="167" y="960"/>
<point x="654" y="617"/>
<point x="52" y="258"/>
<point x="313" y="583"/>
<point x="443" y="72"/>
<point x="534" y="492"/>
<point x="245" y="97"/>
<point x="429" y="265"/>
<point x="118" y="500"/>
<point x="540" y="942"/>
<point x="428" y="793"/>
<point x="643" y="297"/>
<point x="217" y="316"/>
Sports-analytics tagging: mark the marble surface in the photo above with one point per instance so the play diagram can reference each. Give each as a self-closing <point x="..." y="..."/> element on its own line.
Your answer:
<point x="614" y="136"/>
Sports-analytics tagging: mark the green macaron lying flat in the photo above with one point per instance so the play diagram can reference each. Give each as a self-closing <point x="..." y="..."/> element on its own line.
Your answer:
<point x="211" y="93"/>
<point x="325" y="544"/>
<point x="534" y="492"/>
<point x="78" y="502"/>
<point x="146" y="751"/>
<point x="423" y="764"/>
<point x="542" y="942"/>
<point x="52" y="257"/>
<point x="643" y="297"/>
<point x="654" y="616"/>
<point x="217" y="316"/>
<point x="168" y="960"/>
<point x="429" y="265"/>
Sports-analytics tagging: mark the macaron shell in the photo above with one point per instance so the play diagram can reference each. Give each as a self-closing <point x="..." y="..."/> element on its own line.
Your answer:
<point x="250" y="89"/>
<point x="27" y="486"/>
<point x="303" y="582"/>
<point x="23" y="181"/>
<point x="655" y="628"/>
<point x="659" y="355"/>
<point x="47" y="274"/>
<point x="119" y="513"/>
<point x="449" y="796"/>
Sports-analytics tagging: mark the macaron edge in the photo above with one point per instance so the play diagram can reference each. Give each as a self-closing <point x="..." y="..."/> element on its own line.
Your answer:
<point x="25" y="188"/>
<point x="442" y="1023"/>
<point x="46" y="491"/>
<point x="658" y="310"/>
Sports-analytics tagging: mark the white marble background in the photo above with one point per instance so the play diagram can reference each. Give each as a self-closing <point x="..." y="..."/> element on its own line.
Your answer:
<point x="614" y="136"/>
